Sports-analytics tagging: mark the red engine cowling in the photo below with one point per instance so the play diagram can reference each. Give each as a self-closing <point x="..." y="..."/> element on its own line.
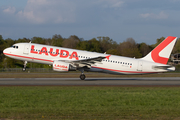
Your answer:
<point x="62" y="66"/>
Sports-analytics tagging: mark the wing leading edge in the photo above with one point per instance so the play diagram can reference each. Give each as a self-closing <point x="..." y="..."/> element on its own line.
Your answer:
<point x="87" y="62"/>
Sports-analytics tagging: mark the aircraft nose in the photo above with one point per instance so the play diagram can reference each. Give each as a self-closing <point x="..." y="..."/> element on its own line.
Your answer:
<point x="5" y="51"/>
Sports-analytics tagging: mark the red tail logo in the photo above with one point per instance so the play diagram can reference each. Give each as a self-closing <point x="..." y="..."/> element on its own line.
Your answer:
<point x="155" y="53"/>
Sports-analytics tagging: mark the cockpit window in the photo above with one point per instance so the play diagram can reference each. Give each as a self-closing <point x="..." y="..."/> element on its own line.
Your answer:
<point x="15" y="46"/>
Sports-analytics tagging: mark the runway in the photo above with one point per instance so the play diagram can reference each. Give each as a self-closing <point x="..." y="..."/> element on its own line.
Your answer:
<point x="136" y="81"/>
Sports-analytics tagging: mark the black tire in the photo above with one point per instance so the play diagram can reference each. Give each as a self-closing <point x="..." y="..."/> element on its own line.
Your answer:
<point x="82" y="77"/>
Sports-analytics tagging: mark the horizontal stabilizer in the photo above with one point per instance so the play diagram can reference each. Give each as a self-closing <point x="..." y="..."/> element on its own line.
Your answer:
<point x="168" y="68"/>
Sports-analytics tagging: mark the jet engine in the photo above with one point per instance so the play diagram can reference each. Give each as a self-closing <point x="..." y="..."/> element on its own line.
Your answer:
<point x="63" y="67"/>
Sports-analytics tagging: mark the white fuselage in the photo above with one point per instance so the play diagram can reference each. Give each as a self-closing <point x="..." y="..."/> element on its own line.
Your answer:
<point x="46" y="54"/>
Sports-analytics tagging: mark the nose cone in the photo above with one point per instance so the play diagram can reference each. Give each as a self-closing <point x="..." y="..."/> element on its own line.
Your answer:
<point x="5" y="51"/>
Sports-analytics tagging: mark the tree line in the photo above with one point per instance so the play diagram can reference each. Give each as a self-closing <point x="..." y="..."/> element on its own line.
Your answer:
<point x="127" y="48"/>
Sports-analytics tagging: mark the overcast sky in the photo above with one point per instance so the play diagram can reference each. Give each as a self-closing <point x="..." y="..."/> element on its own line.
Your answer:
<point x="142" y="20"/>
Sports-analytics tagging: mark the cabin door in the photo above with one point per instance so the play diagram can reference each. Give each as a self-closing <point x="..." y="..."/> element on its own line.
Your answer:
<point x="140" y="66"/>
<point x="26" y="49"/>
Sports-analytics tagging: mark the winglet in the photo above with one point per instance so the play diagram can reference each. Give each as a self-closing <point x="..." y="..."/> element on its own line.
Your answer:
<point x="108" y="57"/>
<point x="161" y="53"/>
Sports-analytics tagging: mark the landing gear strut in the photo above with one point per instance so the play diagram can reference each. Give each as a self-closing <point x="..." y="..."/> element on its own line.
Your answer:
<point x="24" y="69"/>
<point x="82" y="76"/>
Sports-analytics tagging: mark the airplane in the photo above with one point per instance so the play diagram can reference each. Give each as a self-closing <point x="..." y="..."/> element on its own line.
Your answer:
<point x="66" y="59"/>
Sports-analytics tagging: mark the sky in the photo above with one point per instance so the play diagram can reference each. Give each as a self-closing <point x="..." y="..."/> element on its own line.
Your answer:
<point x="143" y="20"/>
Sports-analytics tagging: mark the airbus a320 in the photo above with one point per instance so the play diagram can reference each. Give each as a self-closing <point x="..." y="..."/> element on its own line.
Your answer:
<point x="65" y="59"/>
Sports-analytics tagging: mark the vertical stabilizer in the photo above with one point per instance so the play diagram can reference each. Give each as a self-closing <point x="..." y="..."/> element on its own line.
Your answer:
<point x="161" y="53"/>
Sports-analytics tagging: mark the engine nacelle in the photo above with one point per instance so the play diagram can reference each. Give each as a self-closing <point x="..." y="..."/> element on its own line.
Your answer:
<point x="62" y="66"/>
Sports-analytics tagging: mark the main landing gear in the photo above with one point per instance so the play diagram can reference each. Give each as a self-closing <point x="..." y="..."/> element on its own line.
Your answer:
<point x="82" y="76"/>
<point x="24" y="69"/>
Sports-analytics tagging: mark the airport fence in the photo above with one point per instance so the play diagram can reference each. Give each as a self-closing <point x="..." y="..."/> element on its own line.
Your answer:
<point x="27" y="70"/>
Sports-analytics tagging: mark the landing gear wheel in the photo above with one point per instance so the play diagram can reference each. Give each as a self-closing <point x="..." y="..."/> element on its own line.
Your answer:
<point x="24" y="69"/>
<point x="82" y="77"/>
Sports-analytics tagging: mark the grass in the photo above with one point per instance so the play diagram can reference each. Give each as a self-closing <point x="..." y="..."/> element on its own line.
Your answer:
<point x="53" y="102"/>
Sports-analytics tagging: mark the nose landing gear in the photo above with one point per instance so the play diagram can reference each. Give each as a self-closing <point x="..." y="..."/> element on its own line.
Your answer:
<point x="24" y="69"/>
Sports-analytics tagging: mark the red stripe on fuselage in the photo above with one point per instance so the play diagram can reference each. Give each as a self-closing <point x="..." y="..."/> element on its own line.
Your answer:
<point x="29" y="57"/>
<point x="120" y="71"/>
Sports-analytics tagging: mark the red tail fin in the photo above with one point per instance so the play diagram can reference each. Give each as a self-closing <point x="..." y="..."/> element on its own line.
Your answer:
<point x="161" y="53"/>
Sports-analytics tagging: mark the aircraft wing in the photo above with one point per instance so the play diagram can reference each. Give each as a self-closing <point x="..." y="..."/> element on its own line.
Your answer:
<point x="87" y="62"/>
<point x="90" y="60"/>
